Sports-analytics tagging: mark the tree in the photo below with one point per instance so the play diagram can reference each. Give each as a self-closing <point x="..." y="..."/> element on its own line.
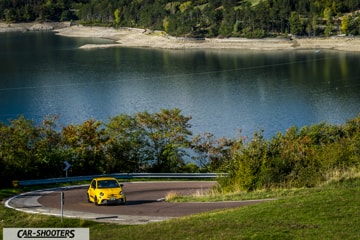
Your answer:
<point x="9" y="15"/>
<point x="295" y="24"/>
<point x="125" y="150"/>
<point x="311" y="26"/>
<point x="328" y="18"/>
<point x="84" y="146"/>
<point x="28" y="150"/>
<point x="166" y="136"/>
<point x="17" y="149"/>
<point x="49" y="148"/>
<point x="354" y="25"/>
<point x="261" y="16"/>
<point x="345" y="24"/>
<point x="211" y="154"/>
<point x="146" y="141"/>
<point x="227" y="24"/>
<point x="166" y="24"/>
<point x="117" y="17"/>
<point x="282" y="10"/>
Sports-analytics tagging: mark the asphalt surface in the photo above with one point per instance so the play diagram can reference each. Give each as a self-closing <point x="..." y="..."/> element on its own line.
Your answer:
<point x="145" y="202"/>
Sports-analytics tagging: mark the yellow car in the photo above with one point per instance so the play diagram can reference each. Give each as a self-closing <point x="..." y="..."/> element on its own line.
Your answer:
<point x="105" y="190"/>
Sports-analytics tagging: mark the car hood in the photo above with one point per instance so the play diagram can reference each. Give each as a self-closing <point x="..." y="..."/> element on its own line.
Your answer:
<point x="110" y="190"/>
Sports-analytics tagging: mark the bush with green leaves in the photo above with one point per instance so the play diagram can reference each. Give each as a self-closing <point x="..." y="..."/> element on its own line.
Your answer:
<point x="298" y="158"/>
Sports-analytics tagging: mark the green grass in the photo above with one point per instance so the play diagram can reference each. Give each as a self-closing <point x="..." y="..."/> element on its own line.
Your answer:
<point x="328" y="212"/>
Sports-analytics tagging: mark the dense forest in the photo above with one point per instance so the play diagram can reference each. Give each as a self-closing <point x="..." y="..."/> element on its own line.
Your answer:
<point x="201" y="18"/>
<point x="163" y="142"/>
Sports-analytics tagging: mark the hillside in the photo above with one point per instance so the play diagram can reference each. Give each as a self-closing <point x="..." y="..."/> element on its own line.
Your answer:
<point x="202" y="18"/>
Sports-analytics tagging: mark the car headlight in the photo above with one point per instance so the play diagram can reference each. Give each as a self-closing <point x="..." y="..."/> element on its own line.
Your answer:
<point x="101" y="194"/>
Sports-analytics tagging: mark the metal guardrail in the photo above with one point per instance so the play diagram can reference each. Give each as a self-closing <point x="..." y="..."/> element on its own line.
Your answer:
<point x="118" y="176"/>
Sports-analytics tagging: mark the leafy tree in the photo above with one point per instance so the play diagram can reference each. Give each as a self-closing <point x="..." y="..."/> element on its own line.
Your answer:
<point x="166" y="135"/>
<point x="18" y="149"/>
<point x="354" y="25"/>
<point x="311" y="26"/>
<point x="328" y="17"/>
<point x="117" y="17"/>
<point x="148" y="141"/>
<point x="345" y="25"/>
<point x="247" y="165"/>
<point x="295" y="24"/>
<point x="185" y="6"/>
<point x="9" y="15"/>
<point x="211" y="154"/>
<point x="29" y="151"/>
<point x="227" y="24"/>
<point x="166" y="24"/>
<point x="49" y="148"/>
<point x="84" y="147"/>
<point x="281" y="12"/>
<point x="261" y="16"/>
<point x="125" y="150"/>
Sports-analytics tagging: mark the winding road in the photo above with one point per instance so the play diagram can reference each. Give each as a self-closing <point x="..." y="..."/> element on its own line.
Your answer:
<point x="145" y="202"/>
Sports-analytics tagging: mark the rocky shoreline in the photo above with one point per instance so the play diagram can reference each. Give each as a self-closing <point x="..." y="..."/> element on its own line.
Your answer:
<point x="134" y="37"/>
<point x="35" y="26"/>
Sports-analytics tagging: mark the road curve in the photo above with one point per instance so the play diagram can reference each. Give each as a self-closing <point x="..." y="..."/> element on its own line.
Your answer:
<point x="145" y="202"/>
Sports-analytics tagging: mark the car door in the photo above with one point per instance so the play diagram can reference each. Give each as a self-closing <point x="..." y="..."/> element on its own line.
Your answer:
<point x="92" y="189"/>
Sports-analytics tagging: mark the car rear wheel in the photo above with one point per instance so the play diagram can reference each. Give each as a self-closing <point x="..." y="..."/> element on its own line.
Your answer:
<point x="88" y="197"/>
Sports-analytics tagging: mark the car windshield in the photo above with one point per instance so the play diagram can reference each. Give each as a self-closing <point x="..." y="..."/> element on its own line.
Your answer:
<point x="108" y="184"/>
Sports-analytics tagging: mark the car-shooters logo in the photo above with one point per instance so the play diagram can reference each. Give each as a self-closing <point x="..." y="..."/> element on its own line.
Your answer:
<point x="46" y="233"/>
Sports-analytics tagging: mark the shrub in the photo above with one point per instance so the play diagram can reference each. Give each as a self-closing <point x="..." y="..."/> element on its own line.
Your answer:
<point x="298" y="158"/>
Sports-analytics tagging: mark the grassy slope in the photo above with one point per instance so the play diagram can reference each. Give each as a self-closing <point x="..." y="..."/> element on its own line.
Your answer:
<point x="330" y="212"/>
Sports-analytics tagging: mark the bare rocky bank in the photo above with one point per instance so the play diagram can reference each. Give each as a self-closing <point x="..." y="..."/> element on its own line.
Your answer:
<point x="134" y="37"/>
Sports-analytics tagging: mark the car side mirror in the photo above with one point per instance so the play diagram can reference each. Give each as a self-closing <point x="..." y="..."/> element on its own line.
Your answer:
<point x="121" y="185"/>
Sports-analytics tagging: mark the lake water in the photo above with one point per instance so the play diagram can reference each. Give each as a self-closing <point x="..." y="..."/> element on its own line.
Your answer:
<point x="223" y="90"/>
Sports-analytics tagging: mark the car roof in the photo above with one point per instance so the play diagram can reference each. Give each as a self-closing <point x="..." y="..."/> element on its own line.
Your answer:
<point x="104" y="178"/>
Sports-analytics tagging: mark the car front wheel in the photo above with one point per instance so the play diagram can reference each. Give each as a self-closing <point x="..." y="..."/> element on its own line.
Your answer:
<point x="96" y="201"/>
<point x="123" y="201"/>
